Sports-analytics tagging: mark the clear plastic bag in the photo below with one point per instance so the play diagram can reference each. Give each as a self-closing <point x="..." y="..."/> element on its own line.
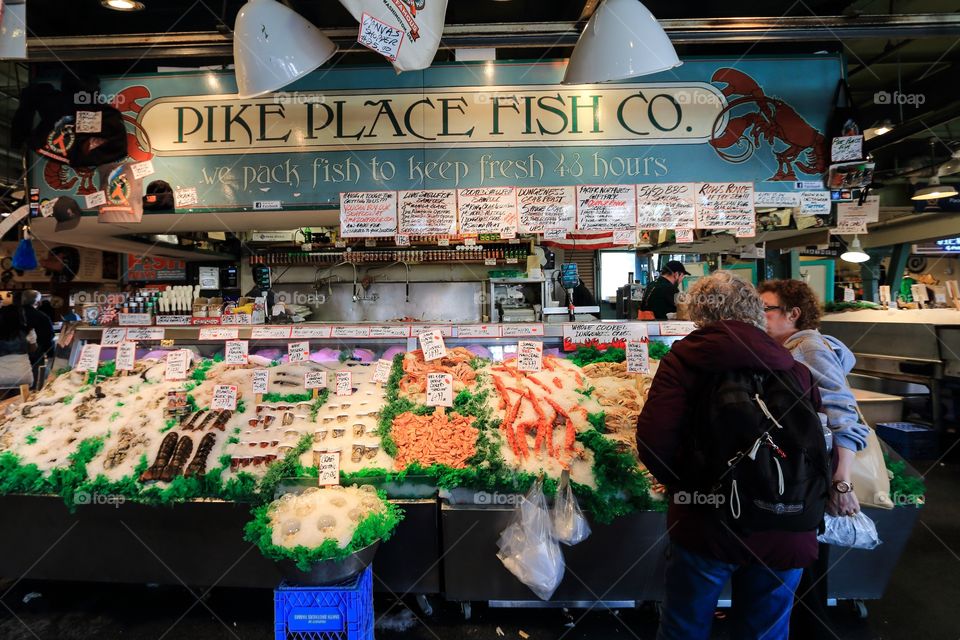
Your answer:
<point x="856" y="531"/>
<point x="570" y="526"/>
<point x="527" y="547"/>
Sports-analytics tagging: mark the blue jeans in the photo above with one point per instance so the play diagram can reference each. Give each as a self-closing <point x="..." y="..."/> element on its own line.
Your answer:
<point x="762" y="598"/>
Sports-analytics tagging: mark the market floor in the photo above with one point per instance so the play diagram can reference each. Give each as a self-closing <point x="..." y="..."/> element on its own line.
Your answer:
<point x="920" y="602"/>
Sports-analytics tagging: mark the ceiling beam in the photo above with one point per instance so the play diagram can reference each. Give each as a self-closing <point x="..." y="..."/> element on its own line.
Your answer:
<point x="211" y="44"/>
<point x="912" y="228"/>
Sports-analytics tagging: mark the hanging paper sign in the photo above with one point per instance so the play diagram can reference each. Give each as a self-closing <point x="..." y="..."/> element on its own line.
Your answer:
<point x="439" y="390"/>
<point x="185" y="197"/>
<point x="351" y="332"/>
<point x="919" y="292"/>
<point x="724" y="205"/>
<point x="368" y="214"/>
<point x="543" y="208"/>
<point x="684" y="236"/>
<point x="666" y="206"/>
<point x="421" y="23"/>
<point x="177" y="364"/>
<point x="380" y="37"/>
<point x="521" y="330"/>
<point x="777" y="199"/>
<point x="432" y="345"/>
<point x="126" y="356"/>
<point x="315" y="380"/>
<point x="311" y="332"/>
<point x="224" y="397"/>
<point x="218" y="333"/>
<point x="555" y="234"/>
<point x="748" y="231"/>
<point x="261" y="381"/>
<point x="235" y="352"/>
<point x="625" y="236"/>
<point x="145" y="334"/>
<point x="382" y="372"/>
<point x="851" y="219"/>
<point x="869" y="210"/>
<point x="529" y="355"/>
<point x="142" y="169"/>
<point x="606" y="207"/>
<point x="478" y="331"/>
<point x="638" y="356"/>
<point x="677" y="328"/>
<point x="298" y="351"/>
<point x="344" y="382"/>
<point x="209" y="277"/>
<point x="112" y="337"/>
<point x="270" y="333"/>
<point x="328" y="468"/>
<point x="849" y="295"/>
<point x="89" y="358"/>
<point x="398" y="331"/>
<point x="487" y="210"/>
<point x="89" y="122"/>
<point x="846" y="148"/>
<point x="428" y="212"/>
<point x="95" y="199"/>
<point x="815" y="203"/>
<point x="884" y="293"/>
<point x="601" y="335"/>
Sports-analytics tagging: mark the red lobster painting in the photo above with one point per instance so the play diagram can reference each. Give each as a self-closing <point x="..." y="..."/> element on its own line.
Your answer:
<point x="58" y="176"/>
<point x="774" y="120"/>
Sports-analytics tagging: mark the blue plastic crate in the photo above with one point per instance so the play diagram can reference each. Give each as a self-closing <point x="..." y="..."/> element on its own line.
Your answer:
<point x="910" y="440"/>
<point x="343" y="612"/>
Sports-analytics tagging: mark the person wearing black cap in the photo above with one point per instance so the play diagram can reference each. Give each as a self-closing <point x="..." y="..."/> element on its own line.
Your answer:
<point x="660" y="295"/>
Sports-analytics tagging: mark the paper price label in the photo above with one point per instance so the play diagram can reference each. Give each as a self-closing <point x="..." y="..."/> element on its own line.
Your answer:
<point x="432" y="345"/>
<point x="218" y="333"/>
<point x="185" y="197"/>
<point x="46" y="208"/>
<point x="224" y="397"/>
<point x="402" y="240"/>
<point x="261" y="380"/>
<point x="298" y="351"/>
<point x="380" y="36"/>
<point x="344" y="383"/>
<point x="270" y="333"/>
<point x="236" y="352"/>
<point x="443" y="242"/>
<point x="89" y="358"/>
<point x="529" y="355"/>
<point x="351" y="332"/>
<point x="677" y="328"/>
<point x="96" y="199"/>
<point x="340" y="244"/>
<point x="126" y="356"/>
<point x="146" y="333"/>
<point x="89" y="122"/>
<point x="469" y="242"/>
<point x="382" y="372"/>
<point x="919" y="292"/>
<point x="310" y="332"/>
<point x="556" y="234"/>
<point x="328" y="468"/>
<point x="884" y="293"/>
<point x="315" y="380"/>
<point x="521" y="329"/>
<point x="134" y="319"/>
<point x="478" y="331"/>
<point x="142" y="169"/>
<point x="439" y="390"/>
<point x="625" y="236"/>
<point x="112" y="336"/>
<point x="490" y="262"/>
<point x="389" y="332"/>
<point x="849" y="295"/>
<point x="177" y="364"/>
<point x="684" y="236"/>
<point x="638" y="356"/>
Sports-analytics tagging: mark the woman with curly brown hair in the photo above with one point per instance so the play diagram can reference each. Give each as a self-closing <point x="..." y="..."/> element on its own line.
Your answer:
<point x="793" y="319"/>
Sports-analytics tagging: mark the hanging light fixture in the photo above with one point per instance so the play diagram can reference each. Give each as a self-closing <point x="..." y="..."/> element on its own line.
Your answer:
<point x="622" y="40"/>
<point x="854" y="252"/>
<point x="934" y="190"/>
<point x="123" y="5"/>
<point x="273" y="46"/>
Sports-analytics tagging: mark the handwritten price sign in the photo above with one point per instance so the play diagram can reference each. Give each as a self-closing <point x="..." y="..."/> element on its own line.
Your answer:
<point x="380" y="37"/>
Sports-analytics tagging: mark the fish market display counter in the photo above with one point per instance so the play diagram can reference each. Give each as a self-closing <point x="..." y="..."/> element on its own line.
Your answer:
<point x="148" y="475"/>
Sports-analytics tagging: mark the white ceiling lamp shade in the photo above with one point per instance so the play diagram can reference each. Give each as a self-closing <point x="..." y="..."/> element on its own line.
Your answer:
<point x="622" y="40"/>
<point x="934" y="190"/>
<point x="854" y="252"/>
<point x="273" y="46"/>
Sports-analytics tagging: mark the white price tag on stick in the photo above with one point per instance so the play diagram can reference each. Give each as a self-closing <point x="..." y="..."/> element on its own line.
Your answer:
<point x="382" y="372"/>
<point x="328" y="468"/>
<point x="261" y="381"/>
<point x="529" y="355"/>
<point x="432" y="345"/>
<point x="298" y="351"/>
<point x="439" y="390"/>
<point x="126" y="356"/>
<point x="344" y="383"/>
<point x="315" y="380"/>
<point x="113" y="336"/>
<point x="638" y="356"/>
<point x="224" y="397"/>
<point x="236" y="352"/>
<point x="89" y="358"/>
<point x="177" y="364"/>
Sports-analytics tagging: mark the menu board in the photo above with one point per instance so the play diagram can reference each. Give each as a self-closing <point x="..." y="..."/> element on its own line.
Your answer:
<point x="724" y="205"/>
<point x="368" y="214"/>
<point x="606" y="207"/>
<point x="439" y="390"/>
<point x="488" y="210"/>
<point x="666" y="206"/>
<point x="428" y="212"/>
<point x="126" y="356"/>
<point x="529" y="355"/>
<point x="542" y="208"/>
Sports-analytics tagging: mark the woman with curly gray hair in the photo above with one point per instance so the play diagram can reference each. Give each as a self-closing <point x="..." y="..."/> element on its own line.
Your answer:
<point x="705" y="551"/>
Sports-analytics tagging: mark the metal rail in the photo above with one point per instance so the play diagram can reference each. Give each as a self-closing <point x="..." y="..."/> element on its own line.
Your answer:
<point x="213" y="44"/>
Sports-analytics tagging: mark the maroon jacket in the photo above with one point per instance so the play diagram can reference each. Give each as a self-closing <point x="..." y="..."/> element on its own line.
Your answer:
<point x="718" y="347"/>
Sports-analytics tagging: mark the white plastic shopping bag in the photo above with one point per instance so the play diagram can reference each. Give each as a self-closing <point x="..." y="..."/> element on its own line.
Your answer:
<point x="856" y="531"/>
<point x="570" y="526"/>
<point x="406" y="32"/>
<point x="527" y="546"/>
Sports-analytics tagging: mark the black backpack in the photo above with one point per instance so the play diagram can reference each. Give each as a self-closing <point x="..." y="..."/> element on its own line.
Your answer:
<point x="759" y="454"/>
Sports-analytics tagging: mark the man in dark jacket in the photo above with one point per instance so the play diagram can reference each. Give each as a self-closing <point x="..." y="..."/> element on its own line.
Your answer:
<point x="705" y="552"/>
<point x="660" y="295"/>
<point x="39" y="322"/>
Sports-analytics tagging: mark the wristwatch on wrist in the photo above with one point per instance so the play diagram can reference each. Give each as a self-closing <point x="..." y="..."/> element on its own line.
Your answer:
<point x="842" y="486"/>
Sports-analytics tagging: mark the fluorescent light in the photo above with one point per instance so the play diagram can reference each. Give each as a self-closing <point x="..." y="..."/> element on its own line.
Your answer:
<point x="622" y="40"/>
<point x="273" y="45"/>
<point x="854" y="252"/>
<point x="123" y="5"/>
<point x="934" y="190"/>
<point x="880" y="129"/>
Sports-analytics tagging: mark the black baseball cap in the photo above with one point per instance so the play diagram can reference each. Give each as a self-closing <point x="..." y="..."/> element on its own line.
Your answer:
<point x="67" y="213"/>
<point x="675" y="266"/>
